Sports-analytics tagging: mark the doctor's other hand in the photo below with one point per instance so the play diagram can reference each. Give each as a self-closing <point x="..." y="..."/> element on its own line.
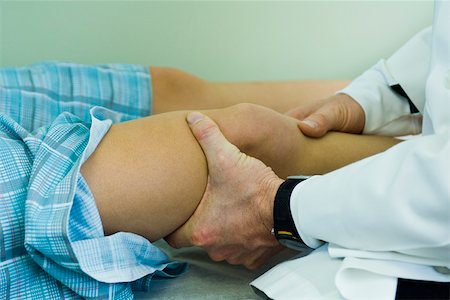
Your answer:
<point x="234" y="218"/>
<point x="339" y="113"/>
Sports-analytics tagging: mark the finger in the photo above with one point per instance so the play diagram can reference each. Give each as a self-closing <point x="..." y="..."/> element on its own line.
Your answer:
<point x="245" y="257"/>
<point x="181" y="237"/>
<point x="342" y="113"/>
<point x="254" y="258"/>
<point x="329" y="116"/>
<point x="263" y="258"/>
<point x="210" y="138"/>
<point x="316" y="119"/>
<point x="302" y="112"/>
<point x="317" y="124"/>
<point x="222" y="253"/>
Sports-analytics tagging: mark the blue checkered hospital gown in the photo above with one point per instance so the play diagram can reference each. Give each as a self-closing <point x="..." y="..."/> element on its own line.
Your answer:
<point x="52" y="245"/>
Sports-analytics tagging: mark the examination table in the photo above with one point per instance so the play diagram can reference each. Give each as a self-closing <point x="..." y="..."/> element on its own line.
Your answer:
<point x="206" y="279"/>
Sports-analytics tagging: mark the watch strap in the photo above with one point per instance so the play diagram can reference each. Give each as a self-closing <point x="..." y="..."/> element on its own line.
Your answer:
<point x="284" y="225"/>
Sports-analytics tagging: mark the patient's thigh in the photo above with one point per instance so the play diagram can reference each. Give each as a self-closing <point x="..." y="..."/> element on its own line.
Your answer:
<point x="148" y="175"/>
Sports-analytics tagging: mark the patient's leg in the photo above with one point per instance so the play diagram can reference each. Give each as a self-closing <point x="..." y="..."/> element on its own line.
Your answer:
<point x="177" y="90"/>
<point x="148" y="175"/>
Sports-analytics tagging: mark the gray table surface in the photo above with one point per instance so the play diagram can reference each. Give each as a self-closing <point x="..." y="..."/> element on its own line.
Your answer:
<point x="207" y="279"/>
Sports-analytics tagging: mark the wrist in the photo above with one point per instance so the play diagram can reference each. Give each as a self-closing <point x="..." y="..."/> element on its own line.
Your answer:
<point x="285" y="229"/>
<point x="267" y="202"/>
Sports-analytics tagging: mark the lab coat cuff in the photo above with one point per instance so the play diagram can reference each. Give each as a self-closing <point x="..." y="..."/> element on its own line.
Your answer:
<point x="296" y="206"/>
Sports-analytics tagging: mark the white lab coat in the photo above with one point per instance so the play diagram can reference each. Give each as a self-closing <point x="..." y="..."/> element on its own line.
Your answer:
<point x="388" y="216"/>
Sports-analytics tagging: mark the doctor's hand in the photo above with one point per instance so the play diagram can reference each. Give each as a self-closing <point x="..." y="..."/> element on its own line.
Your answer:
<point x="339" y="113"/>
<point x="234" y="219"/>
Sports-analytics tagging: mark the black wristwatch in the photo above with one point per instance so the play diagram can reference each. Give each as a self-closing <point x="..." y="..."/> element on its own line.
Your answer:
<point x="283" y="224"/>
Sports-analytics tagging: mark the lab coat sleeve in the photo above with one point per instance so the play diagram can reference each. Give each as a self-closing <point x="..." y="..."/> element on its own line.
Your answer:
<point x="397" y="201"/>
<point x="388" y="113"/>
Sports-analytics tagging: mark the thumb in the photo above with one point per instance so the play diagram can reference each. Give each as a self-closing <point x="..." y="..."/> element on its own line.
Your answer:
<point x="214" y="144"/>
<point x="303" y="111"/>
<point x="317" y="124"/>
<point x="316" y="118"/>
<point x="342" y="113"/>
<point x="182" y="237"/>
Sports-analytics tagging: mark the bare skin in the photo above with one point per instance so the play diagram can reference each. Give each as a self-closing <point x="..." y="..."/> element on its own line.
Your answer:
<point x="176" y="90"/>
<point x="339" y="112"/>
<point x="234" y="218"/>
<point x="148" y="175"/>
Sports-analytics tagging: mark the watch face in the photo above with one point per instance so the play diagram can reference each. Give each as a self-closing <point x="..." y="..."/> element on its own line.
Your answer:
<point x="295" y="245"/>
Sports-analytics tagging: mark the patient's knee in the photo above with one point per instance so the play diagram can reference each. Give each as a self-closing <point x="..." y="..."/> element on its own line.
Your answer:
<point x="175" y="79"/>
<point x="253" y="125"/>
<point x="174" y="89"/>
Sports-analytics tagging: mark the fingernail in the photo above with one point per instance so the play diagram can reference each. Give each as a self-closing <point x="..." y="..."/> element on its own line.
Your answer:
<point x="310" y="123"/>
<point x="194" y="117"/>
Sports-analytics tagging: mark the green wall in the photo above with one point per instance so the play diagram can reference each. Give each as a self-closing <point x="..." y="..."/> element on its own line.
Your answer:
<point x="226" y="40"/>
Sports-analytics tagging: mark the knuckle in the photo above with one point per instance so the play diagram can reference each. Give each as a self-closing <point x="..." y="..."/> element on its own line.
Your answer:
<point x="197" y="238"/>
<point x="205" y="129"/>
<point x="322" y="119"/>
<point x="202" y="238"/>
<point x="299" y="114"/>
<point x="251" y="266"/>
<point x="216" y="255"/>
<point x="253" y="262"/>
<point x="234" y="261"/>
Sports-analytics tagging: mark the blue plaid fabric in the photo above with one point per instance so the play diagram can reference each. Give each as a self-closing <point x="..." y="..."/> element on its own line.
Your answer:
<point x="52" y="246"/>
